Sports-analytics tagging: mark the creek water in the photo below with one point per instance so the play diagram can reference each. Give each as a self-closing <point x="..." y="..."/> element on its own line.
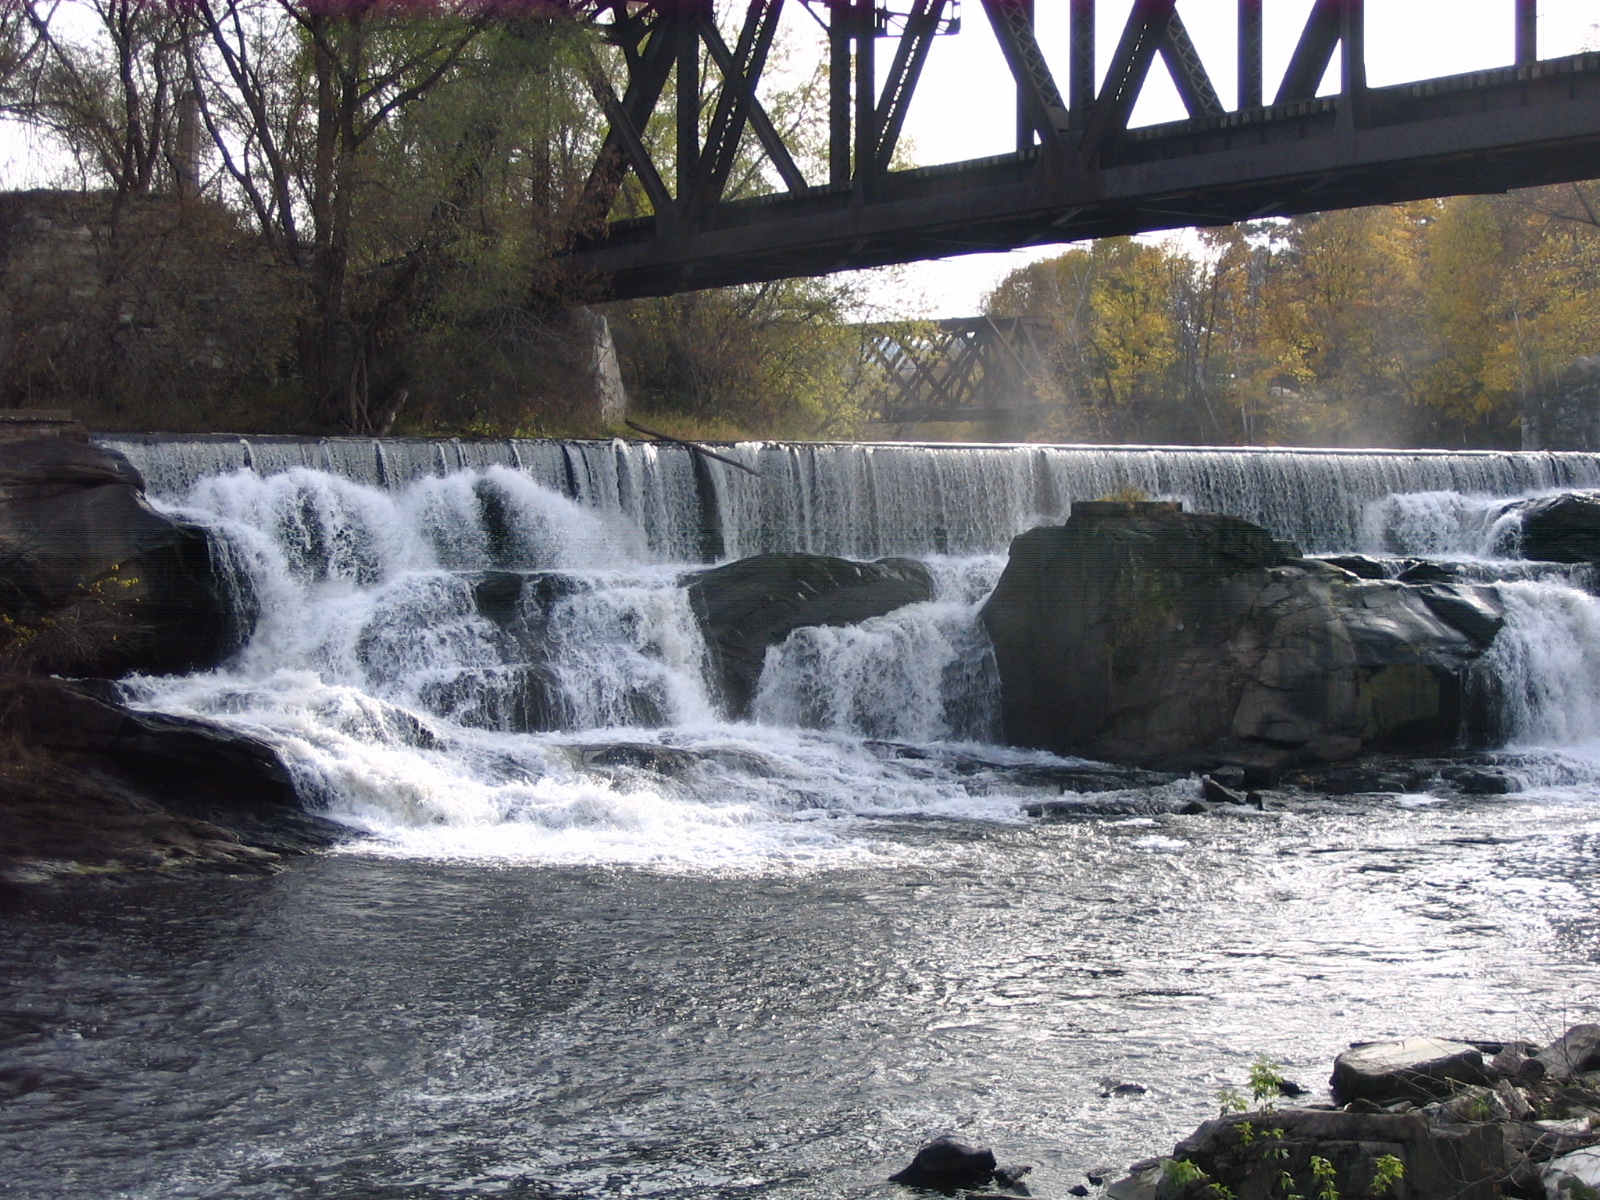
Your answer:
<point x="655" y="952"/>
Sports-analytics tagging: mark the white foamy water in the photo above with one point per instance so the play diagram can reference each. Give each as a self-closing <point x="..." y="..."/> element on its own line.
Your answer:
<point x="399" y="706"/>
<point x="402" y="700"/>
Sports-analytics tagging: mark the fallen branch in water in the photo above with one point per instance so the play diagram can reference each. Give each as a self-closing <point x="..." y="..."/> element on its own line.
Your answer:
<point x="695" y="446"/>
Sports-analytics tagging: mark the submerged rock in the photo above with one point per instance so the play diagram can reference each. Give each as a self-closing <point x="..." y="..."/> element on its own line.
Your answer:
<point x="1186" y="640"/>
<point x="747" y="606"/>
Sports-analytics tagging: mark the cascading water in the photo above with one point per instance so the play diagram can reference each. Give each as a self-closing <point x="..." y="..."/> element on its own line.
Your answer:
<point x="820" y="981"/>
<point x="574" y="718"/>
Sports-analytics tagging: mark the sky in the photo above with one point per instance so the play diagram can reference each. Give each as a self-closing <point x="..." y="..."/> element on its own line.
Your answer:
<point x="953" y="113"/>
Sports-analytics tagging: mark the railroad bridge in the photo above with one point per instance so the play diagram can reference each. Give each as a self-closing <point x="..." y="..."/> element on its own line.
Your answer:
<point x="1078" y="171"/>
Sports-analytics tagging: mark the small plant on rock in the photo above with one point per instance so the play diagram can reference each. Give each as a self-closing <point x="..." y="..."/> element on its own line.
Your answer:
<point x="1326" y="1176"/>
<point x="1266" y="1079"/>
<point x="1387" y="1170"/>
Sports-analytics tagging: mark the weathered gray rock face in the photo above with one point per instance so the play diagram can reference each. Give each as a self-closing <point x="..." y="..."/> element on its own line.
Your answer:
<point x="1141" y="634"/>
<point x="746" y="606"/>
<point x="94" y="581"/>
<point x="1573" y="1053"/>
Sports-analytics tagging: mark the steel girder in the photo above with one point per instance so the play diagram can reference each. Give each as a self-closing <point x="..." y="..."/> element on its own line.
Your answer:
<point x="1078" y="171"/>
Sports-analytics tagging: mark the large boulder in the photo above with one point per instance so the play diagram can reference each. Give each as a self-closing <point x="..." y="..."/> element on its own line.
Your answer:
<point x="1141" y="634"/>
<point x="1406" y="1069"/>
<point x="746" y="606"/>
<point x="1564" y="528"/>
<point x="93" y="581"/>
<point x="87" y="784"/>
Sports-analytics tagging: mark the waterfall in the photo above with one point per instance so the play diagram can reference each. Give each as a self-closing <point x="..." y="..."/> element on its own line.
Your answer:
<point x="487" y="648"/>
<point x="866" y="501"/>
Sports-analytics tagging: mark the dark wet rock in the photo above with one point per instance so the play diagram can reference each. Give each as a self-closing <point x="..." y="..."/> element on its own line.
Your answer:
<point x="1213" y="790"/>
<point x="1363" y="778"/>
<point x="747" y="606"/>
<point x="515" y="698"/>
<point x="641" y="756"/>
<point x="1083" y="779"/>
<point x="1232" y="777"/>
<point x="947" y="1163"/>
<point x="1406" y="1069"/>
<point x="92" y="786"/>
<point x="1359" y="565"/>
<point x="1461" y="1162"/>
<point x="1480" y="781"/>
<point x="1564" y="528"/>
<point x="95" y="582"/>
<point x="1196" y="808"/>
<point x="1011" y="1177"/>
<point x="1421" y="570"/>
<point x="1474" y="611"/>
<point x="519" y="601"/>
<point x="1077" y="1189"/>
<point x="1573" y="1053"/>
<point x="1188" y="641"/>
<point x="497" y="594"/>
<point x="1118" y="1087"/>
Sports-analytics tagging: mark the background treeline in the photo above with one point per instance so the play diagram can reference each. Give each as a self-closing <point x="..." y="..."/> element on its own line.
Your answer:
<point x="1426" y="324"/>
<point x="347" y="217"/>
<point x="370" y="198"/>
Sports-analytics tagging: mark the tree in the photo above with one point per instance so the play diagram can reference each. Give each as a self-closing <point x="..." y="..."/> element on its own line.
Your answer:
<point x="113" y="89"/>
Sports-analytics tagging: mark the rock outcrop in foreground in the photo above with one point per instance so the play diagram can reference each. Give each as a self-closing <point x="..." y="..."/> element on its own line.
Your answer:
<point x="1137" y="633"/>
<point x="1419" y="1119"/>
<point x="94" y="581"/>
<point x="97" y="584"/>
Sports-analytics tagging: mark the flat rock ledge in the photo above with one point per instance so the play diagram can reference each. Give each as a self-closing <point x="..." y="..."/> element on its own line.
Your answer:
<point x="90" y="788"/>
<point x="1411" y="1119"/>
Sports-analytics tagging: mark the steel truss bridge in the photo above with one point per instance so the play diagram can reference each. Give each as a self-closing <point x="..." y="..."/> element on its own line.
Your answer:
<point x="958" y="369"/>
<point x="1078" y="170"/>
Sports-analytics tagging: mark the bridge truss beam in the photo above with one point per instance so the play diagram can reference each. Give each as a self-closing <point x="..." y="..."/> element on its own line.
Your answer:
<point x="1078" y="171"/>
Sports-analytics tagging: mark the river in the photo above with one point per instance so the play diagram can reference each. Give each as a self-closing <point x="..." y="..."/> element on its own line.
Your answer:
<point x="654" y="952"/>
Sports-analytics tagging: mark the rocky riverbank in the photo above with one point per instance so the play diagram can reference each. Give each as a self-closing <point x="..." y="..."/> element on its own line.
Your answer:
<point x="97" y="584"/>
<point x="1413" y="1119"/>
<point x="1409" y="1119"/>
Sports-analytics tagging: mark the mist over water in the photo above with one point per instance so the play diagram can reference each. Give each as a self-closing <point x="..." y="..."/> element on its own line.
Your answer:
<point x="652" y="951"/>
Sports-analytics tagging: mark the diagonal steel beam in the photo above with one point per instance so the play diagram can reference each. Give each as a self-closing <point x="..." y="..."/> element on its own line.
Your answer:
<point x="736" y="100"/>
<point x="1041" y="99"/>
<point x="1188" y="72"/>
<point x="1142" y="36"/>
<point x="922" y="23"/>
<point x="1312" y="53"/>
<point x="623" y="145"/>
<point x="771" y="140"/>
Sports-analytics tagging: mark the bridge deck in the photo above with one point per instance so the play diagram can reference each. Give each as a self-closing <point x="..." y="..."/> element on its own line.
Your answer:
<point x="1489" y="131"/>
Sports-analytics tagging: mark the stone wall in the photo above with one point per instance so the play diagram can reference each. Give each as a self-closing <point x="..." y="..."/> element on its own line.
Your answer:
<point x="134" y="311"/>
